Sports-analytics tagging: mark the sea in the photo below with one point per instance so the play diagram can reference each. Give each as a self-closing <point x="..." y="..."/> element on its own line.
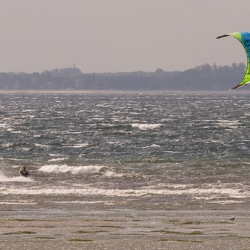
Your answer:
<point x="125" y="150"/>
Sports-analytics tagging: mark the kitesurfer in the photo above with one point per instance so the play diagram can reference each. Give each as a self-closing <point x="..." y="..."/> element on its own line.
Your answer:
<point x="24" y="172"/>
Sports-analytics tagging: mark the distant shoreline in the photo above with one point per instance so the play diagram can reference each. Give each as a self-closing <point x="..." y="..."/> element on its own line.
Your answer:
<point x="242" y="91"/>
<point x="201" y="78"/>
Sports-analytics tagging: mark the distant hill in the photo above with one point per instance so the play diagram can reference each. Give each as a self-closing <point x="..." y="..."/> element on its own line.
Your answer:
<point x="201" y="78"/>
<point x="67" y="72"/>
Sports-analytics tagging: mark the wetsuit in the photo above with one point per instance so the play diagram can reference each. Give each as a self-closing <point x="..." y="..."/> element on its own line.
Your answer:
<point x="24" y="173"/>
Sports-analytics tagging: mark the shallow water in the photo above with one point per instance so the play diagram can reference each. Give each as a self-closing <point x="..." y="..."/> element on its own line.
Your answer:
<point x="125" y="150"/>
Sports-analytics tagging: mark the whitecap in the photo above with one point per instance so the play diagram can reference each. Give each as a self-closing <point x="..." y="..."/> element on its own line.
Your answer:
<point x="196" y="193"/>
<point x="57" y="159"/>
<point x="3" y="125"/>
<point x="4" y="178"/>
<point x="153" y="146"/>
<point x="17" y="203"/>
<point x="42" y="146"/>
<point x="80" y="145"/>
<point x="145" y="126"/>
<point x="70" y="169"/>
<point x="110" y="174"/>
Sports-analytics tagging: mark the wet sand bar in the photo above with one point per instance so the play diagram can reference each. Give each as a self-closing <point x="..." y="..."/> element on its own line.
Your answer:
<point x="123" y="229"/>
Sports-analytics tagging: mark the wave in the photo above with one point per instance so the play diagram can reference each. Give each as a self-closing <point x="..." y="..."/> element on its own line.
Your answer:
<point x="83" y="145"/>
<point x="4" y="125"/>
<point x="43" y="146"/>
<point x="57" y="159"/>
<point x="142" y="126"/>
<point x="111" y="174"/>
<point x="4" y="178"/>
<point x="207" y="194"/>
<point x="70" y="169"/>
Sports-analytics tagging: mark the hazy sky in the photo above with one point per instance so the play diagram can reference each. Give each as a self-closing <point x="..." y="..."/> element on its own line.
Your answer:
<point x="119" y="35"/>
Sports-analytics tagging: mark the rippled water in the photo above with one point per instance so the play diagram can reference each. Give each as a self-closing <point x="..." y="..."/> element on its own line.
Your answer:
<point x="147" y="150"/>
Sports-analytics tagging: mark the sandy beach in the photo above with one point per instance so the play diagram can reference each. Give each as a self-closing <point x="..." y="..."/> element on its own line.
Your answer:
<point x="123" y="229"/>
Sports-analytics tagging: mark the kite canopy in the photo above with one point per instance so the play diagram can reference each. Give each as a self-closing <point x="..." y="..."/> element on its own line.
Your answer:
<point x="244" y="38"/>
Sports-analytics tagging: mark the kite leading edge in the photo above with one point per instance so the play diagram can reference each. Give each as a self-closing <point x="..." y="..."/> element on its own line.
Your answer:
<point x="244" y="38"/>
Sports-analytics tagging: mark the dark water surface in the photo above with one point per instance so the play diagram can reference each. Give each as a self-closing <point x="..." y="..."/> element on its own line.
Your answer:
<point x="126" y="150"/>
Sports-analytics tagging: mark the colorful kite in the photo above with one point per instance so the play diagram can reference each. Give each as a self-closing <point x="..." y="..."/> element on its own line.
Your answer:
<point x="244" y="38"/>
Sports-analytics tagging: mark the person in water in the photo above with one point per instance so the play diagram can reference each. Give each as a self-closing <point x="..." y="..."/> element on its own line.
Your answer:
<point x="24" y="172"/>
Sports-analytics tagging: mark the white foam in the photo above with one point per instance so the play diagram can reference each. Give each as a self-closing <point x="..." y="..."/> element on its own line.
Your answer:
<point x="57" y="159"/>
<point x="4" y="178"/>
<point x="7" y="145"/>
<point x="226" y="202"/>
<point x="17" y="203"/>
<point x="80" y="145"/>
<point x="153" y="146"/>
<point x="109" y="173"/>
<point x="15" y="131"/>
<point x="145" y="126"/>
<point x="3" y="125"/>
<point x="70" y="169"/>
<point x="228" y="123"/>
<point x="42" y="146"/>
<point x="77" y="202"/>
<point x="55" y="155"/>
<point x="29" y="110"/>
<point x="194" y="193"/>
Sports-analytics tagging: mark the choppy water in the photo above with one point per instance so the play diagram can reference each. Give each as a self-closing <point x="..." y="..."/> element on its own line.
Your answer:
<point x="148" y="150"/>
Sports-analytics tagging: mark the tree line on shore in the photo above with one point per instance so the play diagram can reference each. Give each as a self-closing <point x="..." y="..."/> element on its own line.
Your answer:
<point x="200" y="78"/>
